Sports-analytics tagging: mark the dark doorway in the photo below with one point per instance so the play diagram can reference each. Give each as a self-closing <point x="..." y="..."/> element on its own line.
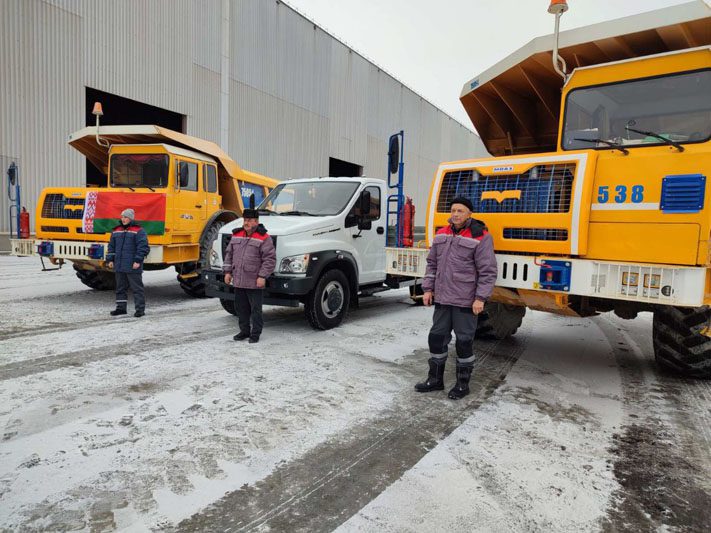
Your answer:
<point x="338" y="168"/>
<point x="119" y="111"/>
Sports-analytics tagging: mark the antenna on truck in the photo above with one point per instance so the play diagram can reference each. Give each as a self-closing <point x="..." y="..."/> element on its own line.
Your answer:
<point x="557" y="8"/>
<point x="98" y="112"/>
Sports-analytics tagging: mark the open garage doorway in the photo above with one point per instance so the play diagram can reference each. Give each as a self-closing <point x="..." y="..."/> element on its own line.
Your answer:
<point x="339" y="169"/>
<point x="119" y="111"/>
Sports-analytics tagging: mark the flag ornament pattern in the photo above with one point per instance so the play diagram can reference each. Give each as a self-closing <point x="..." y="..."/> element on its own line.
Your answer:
<point x="102" y="211"/>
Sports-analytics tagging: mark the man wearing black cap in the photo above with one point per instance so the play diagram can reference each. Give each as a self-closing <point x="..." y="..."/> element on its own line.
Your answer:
<point x="250" y="259"/>
<point x="460" y="277"/>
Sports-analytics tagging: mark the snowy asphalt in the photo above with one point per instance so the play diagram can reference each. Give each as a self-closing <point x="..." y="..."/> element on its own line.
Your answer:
<point x="165" y="424"/>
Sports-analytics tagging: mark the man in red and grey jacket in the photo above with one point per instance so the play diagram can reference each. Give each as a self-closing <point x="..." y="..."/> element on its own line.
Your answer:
<point x="460" y="277"/>
<point x="250" y="259"/>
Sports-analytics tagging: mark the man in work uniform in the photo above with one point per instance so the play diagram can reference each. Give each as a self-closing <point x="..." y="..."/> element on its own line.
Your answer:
<point x="128" y="249"/>
<point x="250" y="259"/>
<point x="460" y="276"/>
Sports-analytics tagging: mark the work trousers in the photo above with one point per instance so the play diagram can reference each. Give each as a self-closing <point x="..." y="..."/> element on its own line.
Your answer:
<point x="460" y="319"/>
<point x="124" y="280"/>
<point x="249" y="309"/>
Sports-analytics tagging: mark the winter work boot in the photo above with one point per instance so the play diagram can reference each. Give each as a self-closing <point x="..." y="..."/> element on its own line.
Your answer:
<point x="461" y="389"/>
<point x="254" y="339"/>
<point x="139" y="313"/>
<point x="241" y="336"/>
<point x="117" y="312"/>
<point x="434" y="379"/>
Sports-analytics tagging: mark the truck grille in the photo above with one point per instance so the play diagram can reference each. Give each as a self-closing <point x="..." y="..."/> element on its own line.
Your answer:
<point x="59" y="206"/>
<point x="541" y="189"/>
<point x="536" y="234"/>
<point x="55" y="229"/>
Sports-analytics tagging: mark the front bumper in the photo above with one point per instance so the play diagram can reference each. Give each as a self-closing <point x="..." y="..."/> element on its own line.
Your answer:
<point x="73" y="250"/>
<point x="280" y="290"/>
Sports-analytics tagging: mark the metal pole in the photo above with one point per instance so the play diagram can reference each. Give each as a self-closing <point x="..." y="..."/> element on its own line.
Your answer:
<point x="400" y="186"/>
<point x="19" y="202"/>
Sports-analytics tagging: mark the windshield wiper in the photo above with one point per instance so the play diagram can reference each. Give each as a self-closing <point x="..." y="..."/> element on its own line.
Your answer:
<point x="657" y="136"/>
<point x="298" y="213"/>
<point x="267" y="211"/>
<point x="616" y="146"/>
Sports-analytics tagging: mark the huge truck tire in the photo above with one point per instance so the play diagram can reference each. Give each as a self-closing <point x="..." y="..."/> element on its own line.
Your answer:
<point x="499" y="321"/>
<point x="679" y="341"/>
<point x="195" y="286"/>
<point x="229" y="306"/>
<point x="327" y="304"/>
<point x="99" y="280"/>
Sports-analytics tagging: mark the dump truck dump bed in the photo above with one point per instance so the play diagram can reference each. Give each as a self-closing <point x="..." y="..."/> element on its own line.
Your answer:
<point x="515" y="104"/>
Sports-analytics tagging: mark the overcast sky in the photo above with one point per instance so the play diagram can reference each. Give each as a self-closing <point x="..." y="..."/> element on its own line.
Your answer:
<point x="435" y="46"/>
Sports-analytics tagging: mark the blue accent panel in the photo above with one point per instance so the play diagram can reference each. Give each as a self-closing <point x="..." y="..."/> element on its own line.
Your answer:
<point x="45" y="248"/>
<point x="96" y="251"/>
<point x="683" y="193"/>
<point x="555" y="275"/>
<point x="248" y="189"/>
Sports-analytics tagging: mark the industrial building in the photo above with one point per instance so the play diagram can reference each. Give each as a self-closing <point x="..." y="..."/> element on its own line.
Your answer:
<point x="282" y="96"/>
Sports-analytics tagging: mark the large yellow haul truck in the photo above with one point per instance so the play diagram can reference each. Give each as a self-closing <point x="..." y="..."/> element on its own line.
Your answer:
<point x="599" y="197"/>
<point x="183" y="190"/>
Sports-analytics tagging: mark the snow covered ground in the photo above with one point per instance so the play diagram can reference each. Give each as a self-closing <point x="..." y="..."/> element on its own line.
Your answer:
<point x="164" y="423"/>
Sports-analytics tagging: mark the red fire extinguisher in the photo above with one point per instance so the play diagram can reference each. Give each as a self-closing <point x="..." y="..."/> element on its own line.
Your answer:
<point x="408" y="223"/>
<point x="24" y="224"/>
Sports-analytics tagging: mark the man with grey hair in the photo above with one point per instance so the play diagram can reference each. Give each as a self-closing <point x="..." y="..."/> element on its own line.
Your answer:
<point x="128" y="249"/>
<point x="460" y="277"/>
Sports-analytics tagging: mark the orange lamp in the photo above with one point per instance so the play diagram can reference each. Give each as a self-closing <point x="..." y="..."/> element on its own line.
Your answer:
<point x="558" y="7"/>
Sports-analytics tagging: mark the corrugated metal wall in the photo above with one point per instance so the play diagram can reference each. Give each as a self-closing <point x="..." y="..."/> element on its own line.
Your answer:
<point x="297" y="96"/>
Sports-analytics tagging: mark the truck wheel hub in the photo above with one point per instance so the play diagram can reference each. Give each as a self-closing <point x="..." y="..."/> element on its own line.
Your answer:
<point x="332" y="301"/>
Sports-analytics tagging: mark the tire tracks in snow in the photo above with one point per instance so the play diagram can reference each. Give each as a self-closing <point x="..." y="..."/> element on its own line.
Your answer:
<point x="659" y="460"/>
<point x="333" y="481"/>
<point x="78" y="358"/>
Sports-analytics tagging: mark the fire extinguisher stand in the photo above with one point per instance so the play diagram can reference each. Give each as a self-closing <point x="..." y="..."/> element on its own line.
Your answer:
<point x="13" y="182"/>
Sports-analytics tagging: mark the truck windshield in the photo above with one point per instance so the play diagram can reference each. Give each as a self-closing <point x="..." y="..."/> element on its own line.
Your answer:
<point x="635" y="113"/>
<point x="139" y="170"/>
<point x="314" y="198"/>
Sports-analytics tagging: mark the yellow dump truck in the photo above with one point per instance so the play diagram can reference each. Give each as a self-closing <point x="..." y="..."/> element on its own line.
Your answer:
<point x="598" y="196"/>
<point x="183" y="190"/>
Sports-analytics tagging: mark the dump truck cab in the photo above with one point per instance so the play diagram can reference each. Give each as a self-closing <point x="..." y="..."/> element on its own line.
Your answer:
<point x="649" y="123"/>
<point x="183" y="190"/>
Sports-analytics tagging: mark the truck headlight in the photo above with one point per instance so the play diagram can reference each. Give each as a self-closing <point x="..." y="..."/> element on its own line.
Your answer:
<point x="294" y="264"/>
<point x="215" y="260"/>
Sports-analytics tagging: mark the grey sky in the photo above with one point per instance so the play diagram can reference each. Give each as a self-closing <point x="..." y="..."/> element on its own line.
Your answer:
<point x="435" y="46"/>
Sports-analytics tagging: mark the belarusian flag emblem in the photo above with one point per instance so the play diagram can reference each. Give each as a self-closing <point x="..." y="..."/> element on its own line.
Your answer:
<point x="102" y="211"/>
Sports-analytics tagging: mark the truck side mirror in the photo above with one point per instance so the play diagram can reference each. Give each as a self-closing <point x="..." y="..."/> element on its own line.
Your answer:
<point x="12" y="174"/>
<point x="365" y="225"/>
<point x="394" y="154"/>
<point x="183" y="175"/>
<point x="364" y="201"/>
